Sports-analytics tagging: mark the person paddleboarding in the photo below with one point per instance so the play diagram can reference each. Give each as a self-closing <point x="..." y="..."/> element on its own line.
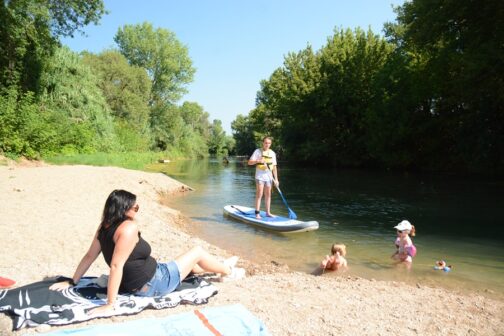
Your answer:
<point x="265" y="175"/>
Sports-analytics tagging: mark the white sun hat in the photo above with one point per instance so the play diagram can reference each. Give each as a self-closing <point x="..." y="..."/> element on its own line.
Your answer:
<point x="404" y="225"/>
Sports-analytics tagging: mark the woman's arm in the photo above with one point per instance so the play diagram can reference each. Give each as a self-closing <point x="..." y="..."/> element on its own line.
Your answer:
<point x="275" y="175"/>
<point x="86" y="261"/>
<point x="255" y="159"/>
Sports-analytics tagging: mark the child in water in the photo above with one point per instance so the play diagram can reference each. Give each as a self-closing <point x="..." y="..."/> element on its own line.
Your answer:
<point x="405" y="248"/>
<point x="336" y="260"/>
<point x="441" y="265"/>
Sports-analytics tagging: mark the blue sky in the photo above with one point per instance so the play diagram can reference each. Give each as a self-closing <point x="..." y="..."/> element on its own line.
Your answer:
<point x="236" y="44"/>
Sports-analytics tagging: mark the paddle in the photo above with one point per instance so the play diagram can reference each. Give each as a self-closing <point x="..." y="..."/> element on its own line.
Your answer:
<point x="292" y="214"/>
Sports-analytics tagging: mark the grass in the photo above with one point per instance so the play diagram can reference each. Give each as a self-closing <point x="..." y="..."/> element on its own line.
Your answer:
<point x="130" y="160"/>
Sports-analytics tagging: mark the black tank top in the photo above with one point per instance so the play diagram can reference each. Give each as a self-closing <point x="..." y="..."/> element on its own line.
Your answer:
<point x="139" y="267"/>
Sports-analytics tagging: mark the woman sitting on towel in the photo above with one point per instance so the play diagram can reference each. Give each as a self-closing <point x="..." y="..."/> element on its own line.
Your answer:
<point x="132" y="269"/>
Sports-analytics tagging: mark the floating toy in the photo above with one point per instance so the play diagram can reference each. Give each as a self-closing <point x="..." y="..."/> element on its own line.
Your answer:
<point x="441" y="265"/>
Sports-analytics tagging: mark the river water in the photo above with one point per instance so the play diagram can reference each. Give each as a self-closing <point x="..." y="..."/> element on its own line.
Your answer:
<point x="457" y="219"/>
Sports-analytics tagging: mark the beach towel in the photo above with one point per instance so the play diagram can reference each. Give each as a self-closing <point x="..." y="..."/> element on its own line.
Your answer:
<point x="226" y="320"/>
<point x="36" y="304"/>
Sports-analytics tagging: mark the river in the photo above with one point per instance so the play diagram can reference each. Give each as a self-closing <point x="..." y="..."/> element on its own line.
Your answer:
<point x="457" y="219"/>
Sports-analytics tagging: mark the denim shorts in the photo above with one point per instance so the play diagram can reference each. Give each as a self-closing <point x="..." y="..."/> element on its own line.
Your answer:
<point x="165" y="280"/>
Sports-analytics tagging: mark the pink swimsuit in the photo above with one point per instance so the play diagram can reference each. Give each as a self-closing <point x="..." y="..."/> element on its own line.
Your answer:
<point x="409" y="249"/>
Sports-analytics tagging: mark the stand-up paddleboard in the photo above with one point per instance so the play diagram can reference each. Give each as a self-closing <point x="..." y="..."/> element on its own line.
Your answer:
<point x="278" y="223"/>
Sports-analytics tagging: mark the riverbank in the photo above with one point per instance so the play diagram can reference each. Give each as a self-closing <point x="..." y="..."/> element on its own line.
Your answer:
<point x="51" y="212"/>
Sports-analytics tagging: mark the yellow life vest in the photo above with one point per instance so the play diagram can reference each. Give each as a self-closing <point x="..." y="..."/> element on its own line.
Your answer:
<point x="268" y="158"/>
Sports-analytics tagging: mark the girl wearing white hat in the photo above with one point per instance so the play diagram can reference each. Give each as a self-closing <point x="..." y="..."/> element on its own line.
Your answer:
<point x="406" y="250"/>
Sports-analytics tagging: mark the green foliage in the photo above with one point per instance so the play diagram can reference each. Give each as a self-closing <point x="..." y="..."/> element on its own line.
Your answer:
<point x="129" y="139"/>
<point x="243" y="135"/>
<point x="350" y="63"/>
<point x="164" y="120"/>
<point x="183" y="128"/>
<point x="25" y="43"/>
<point x="230" y="145"/>
<point x="29" y="34"/>
<point x="63" y="119"/>
<point x="217" y="140"/>
<point x="68" y="16"/>
<point x="315" y="105"/>
<point x="20" y="125"/>
<point x="399" y="118"/>
<point x="130" y="160"/>
<point x="162" y="55"/>
<point x="88" y="103"/>
<point x="27" y="131"/>
<point x="71" y="89"/>
<point x="196" y="129"/>
<point x="461" y="44"/>
<point x="126" y="89"/>
<point x="196" y="118"/>
<point x="430" y="96"/>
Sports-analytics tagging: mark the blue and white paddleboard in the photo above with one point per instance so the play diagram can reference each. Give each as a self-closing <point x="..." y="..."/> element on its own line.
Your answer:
<point x="278" y="223"/>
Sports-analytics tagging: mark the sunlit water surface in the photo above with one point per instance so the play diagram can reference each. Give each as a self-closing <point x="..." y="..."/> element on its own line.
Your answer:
<point x="457" y="219"/>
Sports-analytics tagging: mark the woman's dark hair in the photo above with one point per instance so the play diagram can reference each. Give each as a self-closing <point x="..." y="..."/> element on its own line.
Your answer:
<point x="116" y="206"/>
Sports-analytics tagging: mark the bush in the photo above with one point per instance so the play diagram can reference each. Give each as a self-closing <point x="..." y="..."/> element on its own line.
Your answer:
<point x="23" y="130"/>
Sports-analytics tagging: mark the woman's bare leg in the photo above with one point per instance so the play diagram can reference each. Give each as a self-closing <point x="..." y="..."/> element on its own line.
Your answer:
<point x="267" y="200"/>
<point x="198" y="257"/>
<point x="258" y="196"/>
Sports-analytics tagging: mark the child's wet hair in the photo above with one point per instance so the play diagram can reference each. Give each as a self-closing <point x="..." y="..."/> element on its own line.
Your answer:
<point x="412" y="231"/>
<point x="341" y="248"/>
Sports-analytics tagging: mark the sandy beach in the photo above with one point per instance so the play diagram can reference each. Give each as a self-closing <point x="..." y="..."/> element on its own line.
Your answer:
<point x="50" y="213"/>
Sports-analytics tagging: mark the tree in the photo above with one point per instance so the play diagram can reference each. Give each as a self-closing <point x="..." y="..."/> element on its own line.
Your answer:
<point x="71" y="89"/>
<point x="181" y="128"/>
<point x="315" y="105"/>
<point x="243" y="135"/>
<point x="197" y="129"/>
<point x="162" y="55"/>
<point x="126" y="89"/>
<point x="29" y="35"/>
<point x="350" y="63"/>
<point x="402" y="130"/>
<point x="196" y="118"/>
<point x="287" y="109"/>
<point x="217" y="140"/>
<point x="462" y="44"/>
<point x="230" y="145"/>
<point x="22" y="130"/>
<point x="164" y="119"/>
